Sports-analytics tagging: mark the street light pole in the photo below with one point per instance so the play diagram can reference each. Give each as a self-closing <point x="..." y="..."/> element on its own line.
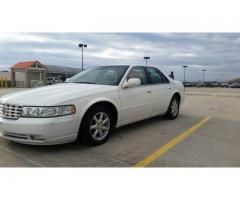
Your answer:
<point x="146" y="58"/>
<point x="204" y="70"/>
<point x="82" y="58"/>
<point x="184" y="73"/>
<point x="82" y="46"/>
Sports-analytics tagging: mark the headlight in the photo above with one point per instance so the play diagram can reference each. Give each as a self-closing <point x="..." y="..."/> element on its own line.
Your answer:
<point x="48" y="111"/>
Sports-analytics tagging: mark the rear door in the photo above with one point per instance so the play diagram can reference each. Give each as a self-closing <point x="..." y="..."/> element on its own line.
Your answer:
<point x="161" y="90"/>
<point x="136" y="103"/>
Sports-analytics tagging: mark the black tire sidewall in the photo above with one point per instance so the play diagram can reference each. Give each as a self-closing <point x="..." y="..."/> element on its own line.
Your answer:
<point x="84" y="134"/>
<point x="169" y="112"/>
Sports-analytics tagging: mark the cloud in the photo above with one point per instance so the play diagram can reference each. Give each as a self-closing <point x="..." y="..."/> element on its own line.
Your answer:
<point x="20" y="37"/>
<point x="184" y="55"/>
<point x="218" y="53"/>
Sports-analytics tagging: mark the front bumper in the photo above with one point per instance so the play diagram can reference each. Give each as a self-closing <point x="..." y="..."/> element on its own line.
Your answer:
<point x="40" y="131"/>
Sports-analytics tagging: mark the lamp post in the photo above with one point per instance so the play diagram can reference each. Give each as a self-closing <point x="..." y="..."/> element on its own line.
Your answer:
<point x="184" y="73"/>
<point x="82" y="46"/>
<point x="146" y="58"/>
<point x="204" y="70"/>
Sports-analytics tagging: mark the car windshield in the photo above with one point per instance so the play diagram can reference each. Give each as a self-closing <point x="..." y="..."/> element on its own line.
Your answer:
<point x="106" y="75"/>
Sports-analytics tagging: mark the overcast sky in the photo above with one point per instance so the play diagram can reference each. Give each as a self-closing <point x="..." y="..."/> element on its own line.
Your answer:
<point x="218" y="53"/>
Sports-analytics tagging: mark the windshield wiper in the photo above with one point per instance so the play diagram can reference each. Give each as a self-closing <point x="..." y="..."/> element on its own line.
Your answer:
<point x="85" y="82"/>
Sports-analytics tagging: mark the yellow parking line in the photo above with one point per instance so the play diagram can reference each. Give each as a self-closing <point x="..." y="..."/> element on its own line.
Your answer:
<point x="162" y="150"/>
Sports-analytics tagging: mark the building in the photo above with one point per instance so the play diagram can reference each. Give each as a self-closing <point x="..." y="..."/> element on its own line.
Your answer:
<point x="58" y="71"/>
<point x="30" y="74"/>
<point x="34" y="72"/>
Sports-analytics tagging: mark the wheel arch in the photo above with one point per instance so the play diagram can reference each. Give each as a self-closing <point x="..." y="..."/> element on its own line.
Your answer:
<point x="178" y="95"/>
<point x="105" y="102"/>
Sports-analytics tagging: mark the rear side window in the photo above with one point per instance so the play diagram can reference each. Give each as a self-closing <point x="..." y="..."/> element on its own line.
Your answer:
<point x="155" y="76"/>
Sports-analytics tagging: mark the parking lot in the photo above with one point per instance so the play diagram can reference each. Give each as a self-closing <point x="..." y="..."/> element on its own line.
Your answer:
<point x="206" y="134"/>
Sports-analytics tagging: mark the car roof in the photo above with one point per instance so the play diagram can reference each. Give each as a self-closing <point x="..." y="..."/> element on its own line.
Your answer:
<point x="110" y="66"/>
<point x="130" y="65"/>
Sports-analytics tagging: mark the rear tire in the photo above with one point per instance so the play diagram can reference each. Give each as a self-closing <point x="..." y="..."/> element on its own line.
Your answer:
<point x="173" y="108"/>
<point x="96" y="126"/>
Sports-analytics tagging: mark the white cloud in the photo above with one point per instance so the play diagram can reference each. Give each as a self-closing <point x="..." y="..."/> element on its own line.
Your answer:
<point x="109" y="53"/>
<point x="184" y="55"/>
<point x="20" y="37"/>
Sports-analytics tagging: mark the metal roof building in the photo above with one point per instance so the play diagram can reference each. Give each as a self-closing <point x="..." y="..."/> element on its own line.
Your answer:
<point x="36" y="73"/>
<point x="55" y="70"/>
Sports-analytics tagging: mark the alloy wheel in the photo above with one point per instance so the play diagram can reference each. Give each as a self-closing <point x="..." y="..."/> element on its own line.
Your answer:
<point x="174" y="107"/>
<point x="100" y="126"/>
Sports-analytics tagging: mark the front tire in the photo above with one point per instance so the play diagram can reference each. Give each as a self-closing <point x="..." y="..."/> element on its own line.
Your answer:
<point x="173" y="108"/>
<point x="96" y="126"/>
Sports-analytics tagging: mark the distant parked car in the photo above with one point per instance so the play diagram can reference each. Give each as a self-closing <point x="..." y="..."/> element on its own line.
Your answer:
<point x="89" y="106"/>
<point x="200" y="84"/>
<point x="234" y="85"/>
<point x="215" y="84"/>
<point x="53" y="80"/>
<point x="188" y="84"/>
<point x="224" y="85"/>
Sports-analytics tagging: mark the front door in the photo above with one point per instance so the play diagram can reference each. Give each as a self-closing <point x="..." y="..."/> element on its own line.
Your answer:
<point x="136" y="103"/>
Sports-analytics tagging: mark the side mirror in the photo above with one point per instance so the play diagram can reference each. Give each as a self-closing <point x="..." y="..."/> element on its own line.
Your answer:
<point x="132" y="82"/>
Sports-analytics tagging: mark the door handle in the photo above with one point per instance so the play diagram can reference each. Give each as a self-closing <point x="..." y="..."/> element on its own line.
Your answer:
<point x="149" y="91"/>
<point x="169" y="88"/>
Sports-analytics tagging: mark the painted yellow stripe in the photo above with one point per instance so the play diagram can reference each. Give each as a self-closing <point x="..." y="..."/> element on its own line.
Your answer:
<point x="155" y="155"/>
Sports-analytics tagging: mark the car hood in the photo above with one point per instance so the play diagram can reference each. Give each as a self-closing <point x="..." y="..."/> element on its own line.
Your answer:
<point x="55" y="94"/>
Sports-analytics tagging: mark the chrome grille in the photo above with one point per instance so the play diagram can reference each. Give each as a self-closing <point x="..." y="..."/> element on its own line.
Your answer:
<point x="10" y="111"/>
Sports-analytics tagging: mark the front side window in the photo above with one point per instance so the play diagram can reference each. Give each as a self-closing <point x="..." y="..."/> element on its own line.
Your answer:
<point x="106" y="75"/>
<point x="155" y="76"/>
<point x="138" y="72"/>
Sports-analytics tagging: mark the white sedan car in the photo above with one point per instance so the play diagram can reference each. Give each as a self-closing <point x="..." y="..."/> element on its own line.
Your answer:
<point x="89" y="105"/>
